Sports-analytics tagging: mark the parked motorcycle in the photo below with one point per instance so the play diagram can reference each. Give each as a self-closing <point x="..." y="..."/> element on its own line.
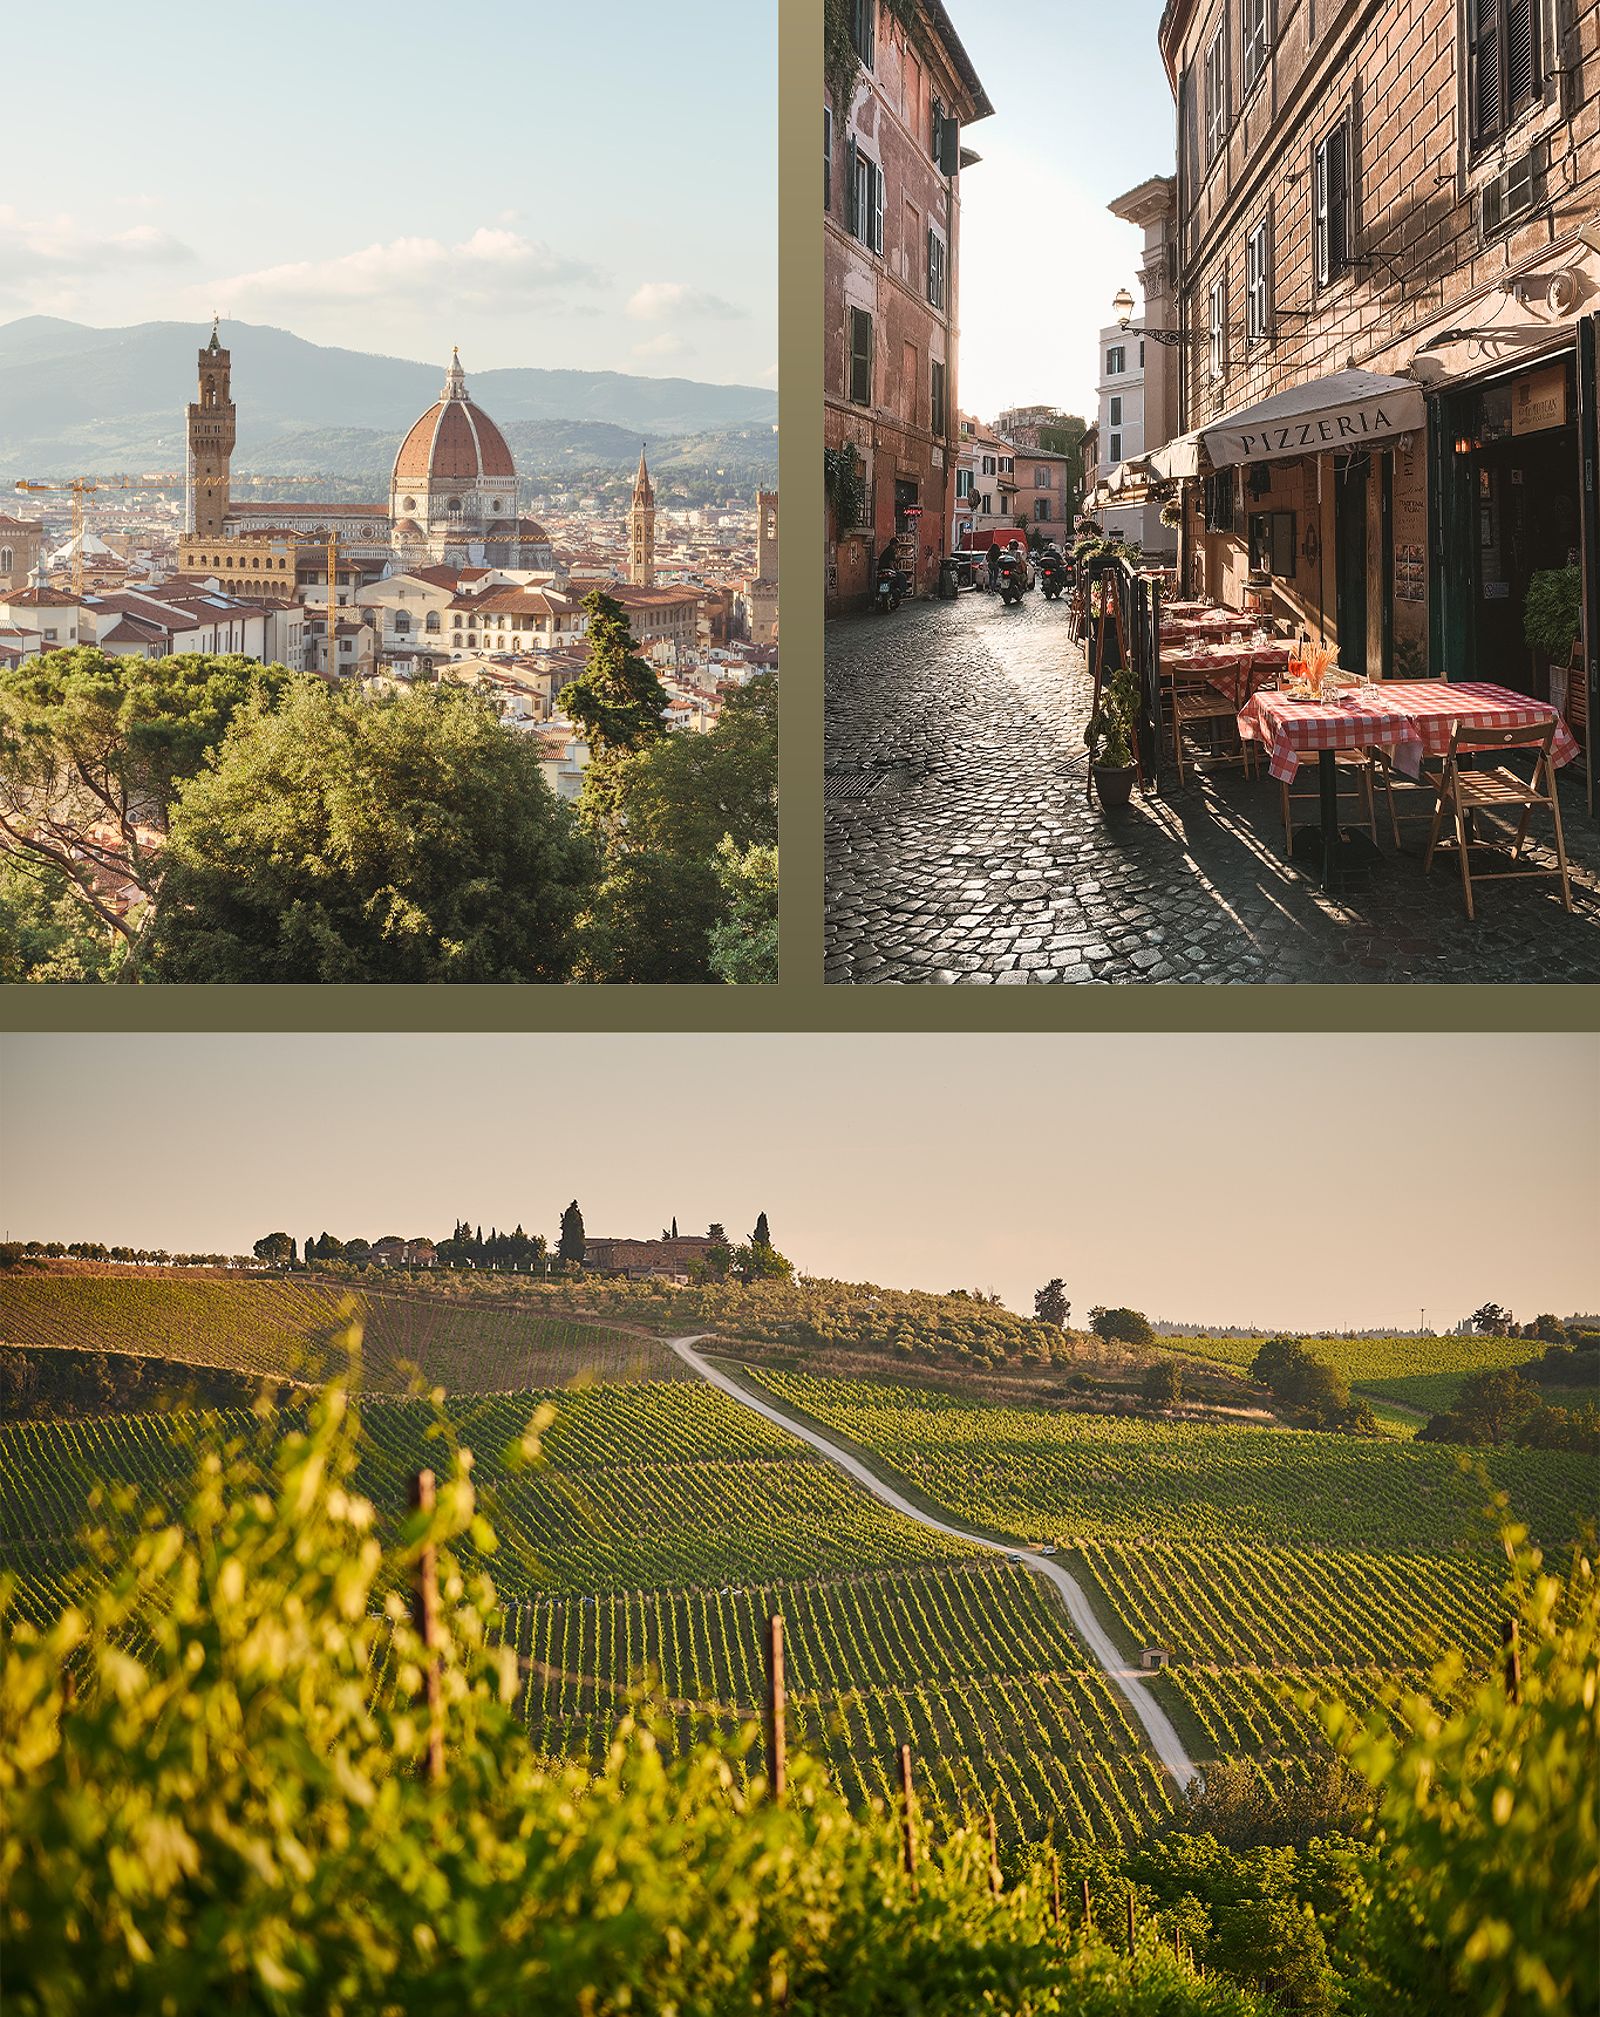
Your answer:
<point x="891" y="589"/>
<point x="1013" y="577"/>
<point x="1053" y="574"/>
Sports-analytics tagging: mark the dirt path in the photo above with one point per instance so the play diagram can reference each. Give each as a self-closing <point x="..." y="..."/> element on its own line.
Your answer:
<point x="1132" y="1681"/>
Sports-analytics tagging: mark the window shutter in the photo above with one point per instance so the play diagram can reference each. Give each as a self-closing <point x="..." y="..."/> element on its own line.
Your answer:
<point x="853" y="196"/>
<point x="1320" y="207"/>
<point x="949" y="144"/>
<point x="933" y="278"/>
<point x="1522" y="56"/>
<point x="877" y="207"/>
<point x="1339" y="198"/>
<point x="1484" y="68"/>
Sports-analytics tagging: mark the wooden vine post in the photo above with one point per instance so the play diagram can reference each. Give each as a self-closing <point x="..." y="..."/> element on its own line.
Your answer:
<point x="777" y="1757"/>
<point x="1509" y="1636"/>
<point x="994" y="1855"/>
<point x="425" y="1615"/>
<point x="1088" y="1908"/>
<point x="908" y="1825"/>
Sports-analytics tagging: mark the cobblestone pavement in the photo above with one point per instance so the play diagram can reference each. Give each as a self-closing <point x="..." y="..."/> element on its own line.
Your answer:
<point x="962" y="846"/>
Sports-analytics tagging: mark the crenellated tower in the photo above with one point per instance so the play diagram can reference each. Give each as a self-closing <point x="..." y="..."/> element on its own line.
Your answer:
<point x="212" y="423"/>
<point x="642" y="529"/>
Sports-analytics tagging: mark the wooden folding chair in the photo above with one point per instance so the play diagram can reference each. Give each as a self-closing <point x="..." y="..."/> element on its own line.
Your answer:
<point x="1191" y="699"/>
<point x="1465" y="791"/>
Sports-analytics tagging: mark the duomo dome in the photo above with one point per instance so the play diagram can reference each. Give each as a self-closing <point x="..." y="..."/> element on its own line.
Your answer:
<point x="453" y="476"/>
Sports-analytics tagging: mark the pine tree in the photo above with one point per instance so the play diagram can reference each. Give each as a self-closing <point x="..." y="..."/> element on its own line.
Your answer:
<point x="617" y="700"/>
<point x="761" y="1237"/>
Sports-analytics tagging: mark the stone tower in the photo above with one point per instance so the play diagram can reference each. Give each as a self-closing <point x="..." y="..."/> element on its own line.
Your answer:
<point x="642" y="530"/>
<point x="211" y="433"/>
<point x="764" y="588"/>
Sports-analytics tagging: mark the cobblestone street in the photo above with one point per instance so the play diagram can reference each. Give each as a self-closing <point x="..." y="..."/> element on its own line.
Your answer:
<point x="962" y="845"/>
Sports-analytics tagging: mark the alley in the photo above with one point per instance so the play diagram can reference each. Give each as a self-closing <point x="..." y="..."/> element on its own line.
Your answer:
<point x="962" y="847"/>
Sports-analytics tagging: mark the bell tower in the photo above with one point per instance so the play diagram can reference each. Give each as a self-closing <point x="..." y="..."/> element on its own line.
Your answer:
<point x="642" y="530"/>
<point x="211" y="431"/>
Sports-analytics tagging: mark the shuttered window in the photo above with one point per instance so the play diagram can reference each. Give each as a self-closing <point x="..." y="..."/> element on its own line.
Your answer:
<point x="938" y="259"/>
<point x="864" y="29"/>
<point x="1217" y="93"/>
<point x="866" y="198"/>
<point x="827" y="157"/>
<point x="1255" y="38"/>
<point x="1332" y="203"/>
<point x="936" y="413"/>
<point x="1258" y="300"/>
<point x="1504" y="71"/>
<point x="860" y="357"/>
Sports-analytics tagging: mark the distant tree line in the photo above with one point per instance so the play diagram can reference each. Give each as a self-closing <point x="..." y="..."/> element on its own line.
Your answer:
<point x="34" y="1254"/>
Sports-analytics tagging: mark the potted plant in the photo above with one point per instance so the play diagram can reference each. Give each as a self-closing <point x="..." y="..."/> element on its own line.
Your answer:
<point x="1550" y="618"/>
<point x="1110" y="738"/>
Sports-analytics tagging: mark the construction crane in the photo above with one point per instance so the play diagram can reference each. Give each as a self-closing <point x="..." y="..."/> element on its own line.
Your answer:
<point x="80" y="487"/>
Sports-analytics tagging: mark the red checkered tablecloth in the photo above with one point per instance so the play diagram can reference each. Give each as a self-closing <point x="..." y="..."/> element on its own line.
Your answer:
<point x="1414" y="718"/>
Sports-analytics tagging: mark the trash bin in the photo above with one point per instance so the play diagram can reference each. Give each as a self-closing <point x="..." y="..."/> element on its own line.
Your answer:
<point x="947" y="580"/>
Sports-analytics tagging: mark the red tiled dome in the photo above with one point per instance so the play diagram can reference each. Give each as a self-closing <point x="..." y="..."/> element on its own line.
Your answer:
<point x="453" y="442"/>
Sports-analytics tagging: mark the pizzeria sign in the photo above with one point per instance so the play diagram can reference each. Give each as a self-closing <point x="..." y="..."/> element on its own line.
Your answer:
<point x="1300" y="422"/>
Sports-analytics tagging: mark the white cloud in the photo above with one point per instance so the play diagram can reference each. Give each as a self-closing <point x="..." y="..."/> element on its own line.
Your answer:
<point x="48" y="262"/>
<point x="494" y="267"/>
<point x="674" y="300"/>
<point x="664" y="345"/>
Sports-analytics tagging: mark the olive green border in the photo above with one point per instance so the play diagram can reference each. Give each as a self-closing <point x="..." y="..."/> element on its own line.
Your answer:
<point x="801" y="1002"/>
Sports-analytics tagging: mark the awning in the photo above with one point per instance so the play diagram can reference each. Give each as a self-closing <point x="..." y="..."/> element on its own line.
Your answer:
<point x="1175" y="460"/>
<point x="1348" y="409"/>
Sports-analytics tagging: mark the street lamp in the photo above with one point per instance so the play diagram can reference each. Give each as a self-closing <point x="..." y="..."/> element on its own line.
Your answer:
<point x="1122" y="309"/>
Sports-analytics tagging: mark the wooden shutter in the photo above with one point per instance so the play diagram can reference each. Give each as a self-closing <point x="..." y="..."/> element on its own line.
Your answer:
<point x="1339" y="197"/>
<point x="860" y="357"/>
<point x="1522" y="56"/>
<point x="852" y="194"/>
<point x="1483" y="71"/>
<point x="877" y="206"/>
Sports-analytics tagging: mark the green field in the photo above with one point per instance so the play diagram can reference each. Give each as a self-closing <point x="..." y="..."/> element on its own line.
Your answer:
<point x="1424" y="1373"/>
<point x="665" y="1522"/>
<point x="283" y="1328"/>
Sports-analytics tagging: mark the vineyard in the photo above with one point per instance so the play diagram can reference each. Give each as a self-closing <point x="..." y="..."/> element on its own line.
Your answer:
<point x="1417" y="1372"/>
<point x="284" y="1329"/>
<point x="1040" y="1475"/>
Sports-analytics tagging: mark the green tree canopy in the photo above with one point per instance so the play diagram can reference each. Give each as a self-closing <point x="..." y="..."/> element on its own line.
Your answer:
<point x="1126" y="1327"/>
<point x="616" y="700"/>
<point x="1162" y="1384"/>
<point x="1050" y="1303"/>
<point x="572" y="1245"/>
<point x="93" y="751"/>
<point x="338" y="838"/>
<point x="274" y="1247"/>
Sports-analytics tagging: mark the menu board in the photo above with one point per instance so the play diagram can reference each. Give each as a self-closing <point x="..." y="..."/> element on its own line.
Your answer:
<point x="1539" y="400"/>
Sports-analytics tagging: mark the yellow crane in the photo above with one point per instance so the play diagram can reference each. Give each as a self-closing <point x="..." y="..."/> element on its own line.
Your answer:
<point x="80" y="487"/>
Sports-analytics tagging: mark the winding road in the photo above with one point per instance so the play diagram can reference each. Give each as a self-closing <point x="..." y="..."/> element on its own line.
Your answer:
<point x="1132" y="1681"/>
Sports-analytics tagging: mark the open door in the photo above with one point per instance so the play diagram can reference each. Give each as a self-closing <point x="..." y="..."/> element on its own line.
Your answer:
<point x="1350" y="562"/>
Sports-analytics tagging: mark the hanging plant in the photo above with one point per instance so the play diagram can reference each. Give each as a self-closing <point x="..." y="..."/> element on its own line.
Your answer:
<point x="1172" y="512"/>
<point x="845" y="487"/>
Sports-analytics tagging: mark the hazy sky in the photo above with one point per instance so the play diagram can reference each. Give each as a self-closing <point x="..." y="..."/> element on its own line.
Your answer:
<point x="542" y="184"/>
<point x="1296" y="1180"/>
<point x="1082" y="114"/>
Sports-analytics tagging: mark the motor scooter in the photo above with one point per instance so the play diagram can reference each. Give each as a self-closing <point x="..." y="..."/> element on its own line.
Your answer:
<point x="891" y="589"/>
<point x="1053" y="574"/>
<point x="1013" y="577"/>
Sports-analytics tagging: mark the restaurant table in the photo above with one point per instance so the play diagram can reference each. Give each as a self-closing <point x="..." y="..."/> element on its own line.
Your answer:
<point x="1413" y="717"/>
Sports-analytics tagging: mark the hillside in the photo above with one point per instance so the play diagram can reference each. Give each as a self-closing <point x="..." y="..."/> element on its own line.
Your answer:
<point x="78" y="399"/>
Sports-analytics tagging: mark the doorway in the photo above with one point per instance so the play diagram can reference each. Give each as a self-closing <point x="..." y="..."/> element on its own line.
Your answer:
<point x="1350" y="562"/>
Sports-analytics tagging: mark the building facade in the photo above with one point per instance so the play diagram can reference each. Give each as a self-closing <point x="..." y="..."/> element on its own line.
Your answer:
<point x="1389" y="228"/>
<point x="20" y="543"/>
<point x="892" y="159"/>
<point x="1043" y="494"/>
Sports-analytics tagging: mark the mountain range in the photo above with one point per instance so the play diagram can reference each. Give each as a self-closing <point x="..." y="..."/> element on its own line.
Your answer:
<point x="75" y="400"/>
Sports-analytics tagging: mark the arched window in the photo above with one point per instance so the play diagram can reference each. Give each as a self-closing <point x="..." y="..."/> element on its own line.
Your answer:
<point x="408" y="504"/>
<point x="433" y="620"/>
<point x="5" y="560"/>
<point x="402" y="624"/>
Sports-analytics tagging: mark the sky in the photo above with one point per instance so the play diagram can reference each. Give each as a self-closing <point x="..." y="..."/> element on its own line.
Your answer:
<point x="1082" y="114"/>
<point x="1275" y="1180"/>
<point x="542" y="185"/>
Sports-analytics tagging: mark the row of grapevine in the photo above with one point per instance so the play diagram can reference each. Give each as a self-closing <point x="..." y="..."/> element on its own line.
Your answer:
<point x="1073" y="1476"/>
<point x="1282" y="1607"/>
